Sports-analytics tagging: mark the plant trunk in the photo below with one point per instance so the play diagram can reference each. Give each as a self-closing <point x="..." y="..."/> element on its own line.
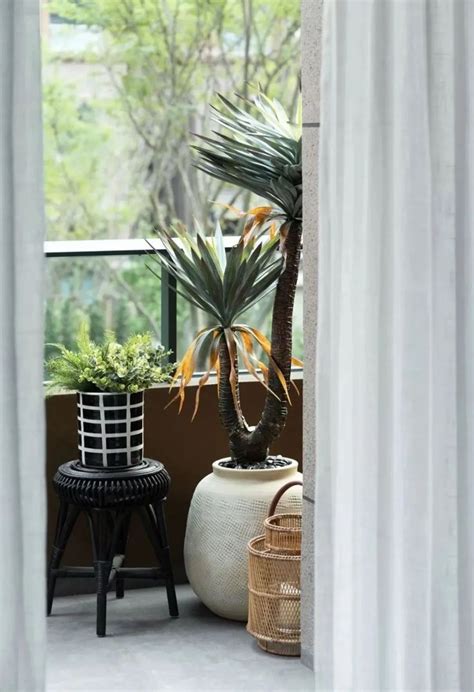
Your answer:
<point x="250" y="445"/>
<point x="275" y="410"/>
<point x="245" y="447"/>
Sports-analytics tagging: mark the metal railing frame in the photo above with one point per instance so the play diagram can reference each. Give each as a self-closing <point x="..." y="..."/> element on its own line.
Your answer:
<point x="130" y="248"/>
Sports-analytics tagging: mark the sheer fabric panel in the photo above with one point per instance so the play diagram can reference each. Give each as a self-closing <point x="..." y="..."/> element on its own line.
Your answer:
<point x="22" y="491"/>
<point x="395" y="383"/>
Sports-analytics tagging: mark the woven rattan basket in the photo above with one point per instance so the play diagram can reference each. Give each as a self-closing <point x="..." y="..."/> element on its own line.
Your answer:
<point x="274" y="582"/>
<point x="283" y="531"/>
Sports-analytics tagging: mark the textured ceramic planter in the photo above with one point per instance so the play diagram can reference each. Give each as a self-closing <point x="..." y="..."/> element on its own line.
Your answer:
<point x="228" y="508"/>
<point x="110" y="428"/>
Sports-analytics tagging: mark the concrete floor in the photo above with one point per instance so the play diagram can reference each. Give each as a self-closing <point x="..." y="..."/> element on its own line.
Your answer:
<point x="147" y="650"/>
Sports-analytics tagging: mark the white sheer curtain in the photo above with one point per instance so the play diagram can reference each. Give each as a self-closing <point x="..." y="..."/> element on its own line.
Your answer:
<point x="394" y="521"/>
<point x="22" y="492"/>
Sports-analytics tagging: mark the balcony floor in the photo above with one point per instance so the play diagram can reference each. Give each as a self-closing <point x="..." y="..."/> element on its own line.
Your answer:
<point x="146" y="650"/>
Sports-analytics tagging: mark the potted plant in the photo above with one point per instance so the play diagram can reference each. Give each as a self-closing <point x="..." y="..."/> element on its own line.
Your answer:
<point x="110" y="380"/>
<point x="262" y="154"/>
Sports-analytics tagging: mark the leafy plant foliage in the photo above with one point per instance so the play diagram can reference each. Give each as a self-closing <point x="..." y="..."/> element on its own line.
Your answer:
<point x="260" y="153"/>
<point x="224" y="286"/>
<point x="110" y="366"/>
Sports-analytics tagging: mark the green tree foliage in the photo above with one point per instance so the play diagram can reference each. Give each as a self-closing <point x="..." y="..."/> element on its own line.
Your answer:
<point x="160" y="62"/>
<point x="119" y="108"/>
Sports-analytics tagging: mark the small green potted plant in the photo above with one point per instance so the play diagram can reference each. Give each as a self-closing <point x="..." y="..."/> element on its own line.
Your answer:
<point x="110" y="380"/>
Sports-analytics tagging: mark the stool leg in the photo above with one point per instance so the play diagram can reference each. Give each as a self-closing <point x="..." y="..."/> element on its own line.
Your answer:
<point x="166" y="558"/>
<point x="155" y="524"/>
<point x="121" y="550"/>
<point x="102" y="571"/>
<point x="102" y="547"/>
<point x="67" y="516"/>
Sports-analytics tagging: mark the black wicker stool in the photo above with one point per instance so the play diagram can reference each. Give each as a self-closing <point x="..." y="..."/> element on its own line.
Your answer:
<point x="108" y="497"/>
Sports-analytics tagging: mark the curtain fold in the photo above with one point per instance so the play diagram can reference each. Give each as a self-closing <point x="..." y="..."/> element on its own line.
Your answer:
<point x="22" y="490"/>
<point x="394" y="542"/>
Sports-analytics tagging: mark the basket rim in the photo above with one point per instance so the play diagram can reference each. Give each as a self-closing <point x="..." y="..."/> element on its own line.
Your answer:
<point x="276" y="596"/>
<point x="283" y="551"/>
<point x="284" y="514"/>
<point x="274" y="527"/>
<point x="267" y="553"/>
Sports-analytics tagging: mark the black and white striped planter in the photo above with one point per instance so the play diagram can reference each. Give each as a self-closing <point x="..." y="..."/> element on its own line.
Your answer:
<point x="110" y="429"/>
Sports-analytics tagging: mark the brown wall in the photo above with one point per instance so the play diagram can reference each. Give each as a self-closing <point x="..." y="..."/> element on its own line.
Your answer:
<point x="186" y="449"/>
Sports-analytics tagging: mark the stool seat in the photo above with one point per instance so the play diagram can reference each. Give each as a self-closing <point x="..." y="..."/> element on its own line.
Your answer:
<point x="99" y="488"/>
<point x="108" y="496"/>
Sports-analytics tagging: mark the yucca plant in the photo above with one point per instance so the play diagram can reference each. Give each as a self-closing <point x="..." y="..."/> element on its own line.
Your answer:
<point x="261" y="153"/>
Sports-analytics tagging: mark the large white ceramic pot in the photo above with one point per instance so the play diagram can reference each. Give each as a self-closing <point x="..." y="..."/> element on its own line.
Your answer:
<point x="228" y="508"/>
